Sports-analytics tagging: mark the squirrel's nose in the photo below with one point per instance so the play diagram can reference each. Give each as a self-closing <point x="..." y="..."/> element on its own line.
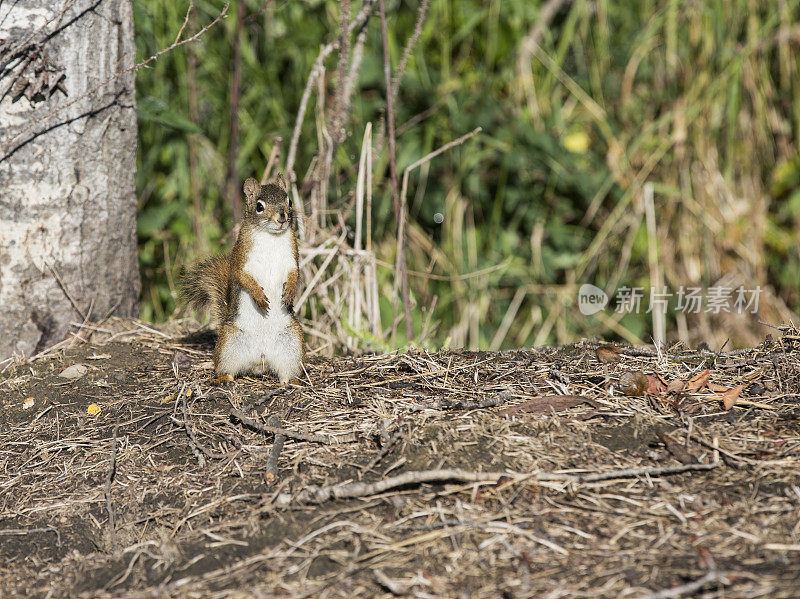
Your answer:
<point x="282" y="216"/>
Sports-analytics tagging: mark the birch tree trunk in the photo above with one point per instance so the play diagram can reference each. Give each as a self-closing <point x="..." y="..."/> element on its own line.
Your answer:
<point x="67" y="160"/>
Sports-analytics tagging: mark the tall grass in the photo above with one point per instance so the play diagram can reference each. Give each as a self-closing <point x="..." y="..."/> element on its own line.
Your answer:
<point x="698" y="99"/>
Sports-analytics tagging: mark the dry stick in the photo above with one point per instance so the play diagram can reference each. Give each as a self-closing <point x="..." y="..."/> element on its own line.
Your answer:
<point x="14" y="52"/>
<point x="689" y="588"/>
<point x="194" y="170"/>
<point x="332" y="131"/>
<point x="656" y="279"/>
<point x="235" y="95"/>
<point x="81" y="326"/>
<point x="340" y="100"/>
<point x="109" y="478"/>
<point x="30" y="531"/>
<point x="119" y="74"/>
<point x="401" y="273"/>
<point x="198" y="450"/>
<point x="361" y="265"/>
<point x="299" y="436"/>
<point x="314" y="494"/>
<point x="277" y="446"/>
<point x="412" y="41"/>
<point x="434" y="154"/>
<point x="319" y="274"/>
<point x="324" y="52"/>
<point x="388" y="445"/>
<point x="274" y="156"/>
<point x="400" y="265"/>
<point x="450" y="404"/>
<point x="64" y="289"/>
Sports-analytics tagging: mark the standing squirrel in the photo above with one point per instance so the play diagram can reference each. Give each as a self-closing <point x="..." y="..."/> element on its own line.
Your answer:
<point x="251" y="291"/>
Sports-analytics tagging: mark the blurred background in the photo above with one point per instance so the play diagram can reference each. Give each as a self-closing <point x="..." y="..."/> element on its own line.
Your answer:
<point x="592" y="113"/>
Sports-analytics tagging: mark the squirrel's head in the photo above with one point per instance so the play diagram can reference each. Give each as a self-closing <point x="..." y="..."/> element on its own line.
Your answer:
<point x="268" y="207"/>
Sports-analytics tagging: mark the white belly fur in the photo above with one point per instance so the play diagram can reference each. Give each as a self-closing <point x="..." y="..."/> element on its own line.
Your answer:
<point x="265" y="341"/>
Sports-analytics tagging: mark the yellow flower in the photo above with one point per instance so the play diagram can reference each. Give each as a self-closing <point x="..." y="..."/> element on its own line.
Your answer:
<point x="93" y="409"/>
<point x="577" y="142"/>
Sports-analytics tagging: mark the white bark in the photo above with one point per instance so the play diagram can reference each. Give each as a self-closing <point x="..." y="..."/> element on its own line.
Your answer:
<point x="67" y="197"/>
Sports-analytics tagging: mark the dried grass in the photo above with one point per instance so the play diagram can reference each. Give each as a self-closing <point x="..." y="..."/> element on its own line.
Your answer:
<point x="542" y="503"/>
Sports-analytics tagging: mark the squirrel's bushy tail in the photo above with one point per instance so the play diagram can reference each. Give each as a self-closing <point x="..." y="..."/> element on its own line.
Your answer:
<point x="205" y="285"/>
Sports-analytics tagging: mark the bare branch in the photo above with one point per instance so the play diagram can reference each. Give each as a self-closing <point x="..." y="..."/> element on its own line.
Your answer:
<point x="276" y="430"/>
<point x="316" y="69"/>
<point x="117" y="75"/>
<point x="313" y="494"/>
<point x="412" y="41"/>
<point x="112" y="468"/>
<point x="235" y="95"/>
<point x="401" y="275"/>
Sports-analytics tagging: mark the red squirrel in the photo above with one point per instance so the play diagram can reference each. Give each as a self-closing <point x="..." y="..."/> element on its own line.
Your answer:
<point x="251" y="291"/>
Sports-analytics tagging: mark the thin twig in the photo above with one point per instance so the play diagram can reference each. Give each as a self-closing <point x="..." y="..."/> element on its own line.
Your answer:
<point x="274" y="157"/>
<point x="200" y="452"/>
<point x="432" y="155"/>
<point x="401" y="274"/>
<point x="314" y="494"/>
<point x="66" y="292"/>
<point x="401" y="277"/>
<point x="316" y="69"/>
<point x="277" y="446"/>
<point x="299" y="436"/>
<point x="112" y="468"/>
<point x="388" y="445"/>
<point x="412" y="41"/>
<point x="201" y="460"/>
<point x="465" y="404"/>
<point x="118" y="74"/>
<point x="687" y="589"/>
<point x="30" y="531"/>
<point x="235" y="96"/>
<point x="12" y="53"/>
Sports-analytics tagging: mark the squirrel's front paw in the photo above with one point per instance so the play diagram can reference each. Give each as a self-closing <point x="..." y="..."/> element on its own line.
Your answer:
<point x="262" y="301"/>
<point x="287" y="298"/>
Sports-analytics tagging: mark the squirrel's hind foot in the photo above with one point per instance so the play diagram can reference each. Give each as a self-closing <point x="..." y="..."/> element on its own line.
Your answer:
<point x="222" y="379"/>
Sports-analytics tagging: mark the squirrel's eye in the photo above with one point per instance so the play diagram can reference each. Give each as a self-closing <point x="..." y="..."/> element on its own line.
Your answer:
<point x="289" y="199"/>
<point x="259" y="207"/>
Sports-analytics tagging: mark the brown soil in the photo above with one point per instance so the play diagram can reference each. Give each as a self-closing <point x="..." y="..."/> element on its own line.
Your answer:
<point x="189" y="511"/>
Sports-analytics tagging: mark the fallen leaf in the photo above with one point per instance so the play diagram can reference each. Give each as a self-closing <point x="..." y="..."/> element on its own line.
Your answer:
<point x="73" y="372"/>
<point x="730" y="396"/>
<point x="547" y="404"/>
<point x="28" y="403"/>
<point x="93" y="409"/>
<point x="633" y="384"/>
<point x="717" y="388"/>
<point x="656" y="384"/>
<point x="697" y="382"/>
<point x="607" y="354"/>
<point x="675" y="387"/>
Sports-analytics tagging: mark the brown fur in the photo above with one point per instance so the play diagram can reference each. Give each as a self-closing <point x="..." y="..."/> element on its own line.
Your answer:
<point x="216" y="281"/>
<point x="205" y="285"/>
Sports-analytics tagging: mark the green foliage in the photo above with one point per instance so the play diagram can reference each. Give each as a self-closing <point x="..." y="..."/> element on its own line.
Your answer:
<point x="694" y="97"/>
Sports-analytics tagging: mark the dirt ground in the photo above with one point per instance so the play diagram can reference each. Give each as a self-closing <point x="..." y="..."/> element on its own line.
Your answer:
<point x="451" y="474"/>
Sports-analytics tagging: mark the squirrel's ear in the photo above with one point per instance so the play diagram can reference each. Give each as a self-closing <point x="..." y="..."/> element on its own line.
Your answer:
<point x="251" y="189"/>
<point x="280" y="181"/>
